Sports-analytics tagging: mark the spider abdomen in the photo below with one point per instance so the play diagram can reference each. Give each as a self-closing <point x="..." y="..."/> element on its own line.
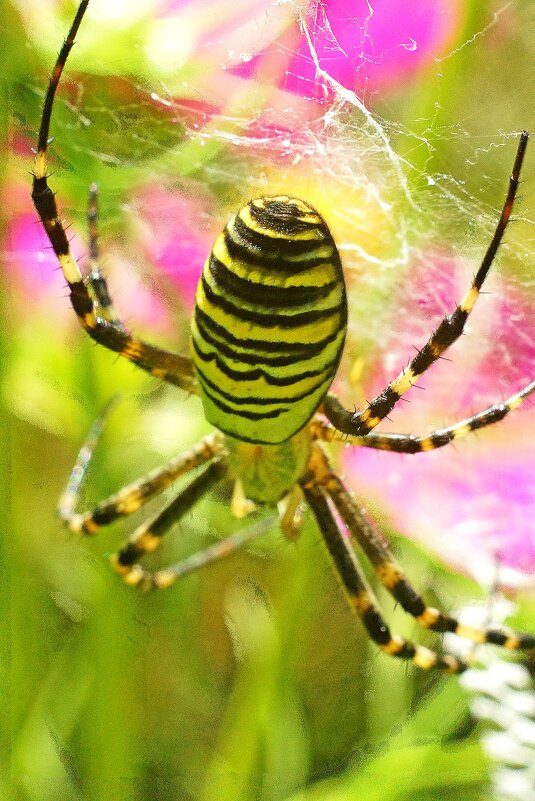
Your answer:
<point x="269" y="321"/>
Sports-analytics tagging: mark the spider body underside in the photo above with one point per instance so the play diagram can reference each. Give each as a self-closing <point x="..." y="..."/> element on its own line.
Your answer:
<point x="267" y="335"/>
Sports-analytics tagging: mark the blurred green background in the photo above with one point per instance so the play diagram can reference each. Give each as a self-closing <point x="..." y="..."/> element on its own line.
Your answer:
<point x="251" y="680"/>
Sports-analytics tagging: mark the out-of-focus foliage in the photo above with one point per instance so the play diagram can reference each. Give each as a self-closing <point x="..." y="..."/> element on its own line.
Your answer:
<point x="252" y="680"/>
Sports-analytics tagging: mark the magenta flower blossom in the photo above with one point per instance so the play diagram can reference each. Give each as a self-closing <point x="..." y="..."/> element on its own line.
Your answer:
<point x="474" y="509"/>
<point x="139" y="305"/>
<point x="332" y="46"/>
<point x="361" y="46"/>
<point x="474" y="504"/>
<point x="176" y="234"/>
<point x="29" y="258"/>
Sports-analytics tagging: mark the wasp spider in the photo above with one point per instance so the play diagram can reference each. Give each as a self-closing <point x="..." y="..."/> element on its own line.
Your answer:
<point x="266" y="337"/>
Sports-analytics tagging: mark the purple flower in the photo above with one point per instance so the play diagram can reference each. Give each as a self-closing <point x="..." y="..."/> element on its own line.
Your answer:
<point x="361" y="46"/>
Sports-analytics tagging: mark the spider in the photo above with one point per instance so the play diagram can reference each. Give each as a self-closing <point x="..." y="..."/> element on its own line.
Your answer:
<point x="267" y="334"/>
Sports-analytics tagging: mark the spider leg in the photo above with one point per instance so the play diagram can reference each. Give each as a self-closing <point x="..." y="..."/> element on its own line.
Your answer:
<point x="96" y="282"/>
<point x="360" y="594"/>
<point x="326" y="484"/>
<point x="143" y="541"/>
<point x="392" y="576"/>
<point x="112" y="334"/>
<point x="148" y="536"/>
<point x="132" y="497"/>
<point x="161" y="579"/>
<point x="449" y="330"/>
<point x="291" y="510"/>
<point x="411" y="443"/>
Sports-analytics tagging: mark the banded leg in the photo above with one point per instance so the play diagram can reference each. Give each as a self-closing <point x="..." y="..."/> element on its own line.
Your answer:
<point x="147" y="537"/>
<point x="361" y="596"/>
<point x="410" y="443"/>
<point x="391" y="574"/>
<point x="449" y="330"/>
<point x="132" y="497"/>
<point x="161" y="579"/>
<point x="112" y="334"/>
<point x="96" y="282"/>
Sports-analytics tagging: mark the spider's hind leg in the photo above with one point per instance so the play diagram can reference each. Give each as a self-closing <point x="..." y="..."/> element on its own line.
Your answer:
<point x="390" y="572"/>
<point x="360" y="594"/>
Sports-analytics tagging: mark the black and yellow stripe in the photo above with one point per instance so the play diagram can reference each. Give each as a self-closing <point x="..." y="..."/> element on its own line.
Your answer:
<point x="133" y="496"/>
<point x="321" y="484"/>
<point x="393" y="578"/>
<point x="361" y="596"/>
<point x="270" y="320"/>
<point x="412" y="443"/>
<point x="147" y="537"/>
<point x="97" y="284"/>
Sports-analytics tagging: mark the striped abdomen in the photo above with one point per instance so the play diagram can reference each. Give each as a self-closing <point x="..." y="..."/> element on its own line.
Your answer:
<point x="269" y="321"/>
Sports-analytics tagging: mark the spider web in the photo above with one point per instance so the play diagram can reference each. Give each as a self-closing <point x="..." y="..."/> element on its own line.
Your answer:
<point x="409" y="176"/>
<point x="337" y="141"/>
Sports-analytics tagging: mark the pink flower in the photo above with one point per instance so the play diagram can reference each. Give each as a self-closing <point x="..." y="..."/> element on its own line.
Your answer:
<point x="34" y="270"/>
<point x="332" y="46"/>
<point x="362" y="46"/>
<point x="473" y="506"/>
<point x="29" y="258"/>
<point x="176" y="233"/>
<point x="140" y="306"/>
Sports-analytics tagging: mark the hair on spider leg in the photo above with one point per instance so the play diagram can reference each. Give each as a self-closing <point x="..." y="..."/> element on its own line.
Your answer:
<point x="419" y="351"/>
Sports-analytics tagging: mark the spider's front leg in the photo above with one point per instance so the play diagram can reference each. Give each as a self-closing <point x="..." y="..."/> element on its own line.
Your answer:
<point x="148" y="536"/>
<point x="413" y="443"/>
<point x="209" y="455"/>
<point x="108" y="332"/>
<point x="449" y="330"/>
